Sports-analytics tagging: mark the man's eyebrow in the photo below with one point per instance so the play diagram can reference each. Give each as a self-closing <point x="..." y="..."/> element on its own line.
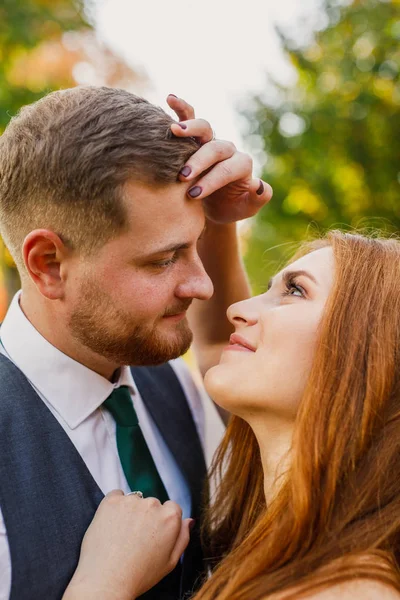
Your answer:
<point x="171" y="248"/>
<point x="174" y="247"/>
<point x="288" y="275"/>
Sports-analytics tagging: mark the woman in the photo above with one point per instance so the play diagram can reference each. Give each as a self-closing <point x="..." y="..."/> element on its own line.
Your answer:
<point x="308" y="501"/>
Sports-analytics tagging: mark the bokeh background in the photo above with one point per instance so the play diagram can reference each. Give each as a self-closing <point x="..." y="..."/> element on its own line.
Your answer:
<point x="311" y="89"/>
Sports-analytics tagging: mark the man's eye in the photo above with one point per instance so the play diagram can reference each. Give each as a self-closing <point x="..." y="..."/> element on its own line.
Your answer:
<point x="162" y="264"/>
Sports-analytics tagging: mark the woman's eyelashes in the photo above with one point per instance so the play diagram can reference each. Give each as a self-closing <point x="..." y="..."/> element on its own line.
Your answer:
<point x="292" y="288"/>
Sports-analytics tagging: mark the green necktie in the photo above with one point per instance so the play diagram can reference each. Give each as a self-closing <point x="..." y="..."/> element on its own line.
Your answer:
<point x="137" y="462"/>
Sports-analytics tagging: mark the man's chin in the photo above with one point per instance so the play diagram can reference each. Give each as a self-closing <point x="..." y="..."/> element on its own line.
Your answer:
<point x="169" y="338"/>
<point x="160" y="348"/>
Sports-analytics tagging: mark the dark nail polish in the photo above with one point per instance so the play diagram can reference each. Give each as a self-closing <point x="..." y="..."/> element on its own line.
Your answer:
<point x="185" y="171"/>
<point x="195" y="191"/>
<point x="192" y="524"/>
<point x="182" y="125"/>
<point x="260" y="189"/>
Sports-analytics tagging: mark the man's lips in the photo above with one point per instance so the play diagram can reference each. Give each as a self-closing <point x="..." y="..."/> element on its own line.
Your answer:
<point x="237" y="342"/>
<point x="178" y="313"/>
<point x="176" y="316"/>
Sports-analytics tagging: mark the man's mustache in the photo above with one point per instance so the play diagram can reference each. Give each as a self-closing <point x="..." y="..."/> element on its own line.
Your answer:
<point x="177" y="310"/>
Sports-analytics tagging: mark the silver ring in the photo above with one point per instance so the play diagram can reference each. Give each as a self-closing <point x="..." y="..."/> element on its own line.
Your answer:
<point x="138" y="494"/>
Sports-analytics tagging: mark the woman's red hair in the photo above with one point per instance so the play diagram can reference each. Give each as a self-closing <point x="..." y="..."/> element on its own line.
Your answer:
<point x="337" y="514"/>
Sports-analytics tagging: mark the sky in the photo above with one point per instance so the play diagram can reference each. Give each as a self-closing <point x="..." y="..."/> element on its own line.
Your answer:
<point x="214" y="53"/>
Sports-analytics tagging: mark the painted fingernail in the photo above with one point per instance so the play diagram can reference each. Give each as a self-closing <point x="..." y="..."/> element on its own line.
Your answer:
<point x="192" y="524"/>
<point x="185" y="171"/>
<point x="260" y="189"/>
<point x="195" y="191"/>
<point x="182" y="125"/>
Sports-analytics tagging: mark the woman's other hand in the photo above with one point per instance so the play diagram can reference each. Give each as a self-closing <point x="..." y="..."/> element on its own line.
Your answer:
<point x="131" y="544"/>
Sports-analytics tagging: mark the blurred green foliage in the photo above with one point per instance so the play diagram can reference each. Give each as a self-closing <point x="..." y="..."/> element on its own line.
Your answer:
<point x="24" y="25"/>
<point x="331" y="140"/>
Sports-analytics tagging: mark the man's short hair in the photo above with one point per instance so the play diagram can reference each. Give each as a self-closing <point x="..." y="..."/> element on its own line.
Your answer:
<point x="65" y="159"/>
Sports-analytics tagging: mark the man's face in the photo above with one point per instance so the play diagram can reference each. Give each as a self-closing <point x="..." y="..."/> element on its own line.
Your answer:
<point x="127" y="302"/>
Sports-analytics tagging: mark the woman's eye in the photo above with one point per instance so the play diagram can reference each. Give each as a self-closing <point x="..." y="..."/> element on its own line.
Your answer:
<point x="293" y="289"/>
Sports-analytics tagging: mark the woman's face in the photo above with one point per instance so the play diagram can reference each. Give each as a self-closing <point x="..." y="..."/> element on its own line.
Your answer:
<point x="266" y="365"/>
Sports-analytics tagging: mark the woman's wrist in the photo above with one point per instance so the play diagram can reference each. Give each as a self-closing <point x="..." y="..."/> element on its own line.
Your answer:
<point x="84" y="589"/>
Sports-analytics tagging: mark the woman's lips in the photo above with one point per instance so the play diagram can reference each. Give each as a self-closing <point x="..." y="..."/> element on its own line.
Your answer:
<point x="240" y="344"/>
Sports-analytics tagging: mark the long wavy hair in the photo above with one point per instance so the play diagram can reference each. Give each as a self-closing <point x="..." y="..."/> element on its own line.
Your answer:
<point x="336" y="515"/>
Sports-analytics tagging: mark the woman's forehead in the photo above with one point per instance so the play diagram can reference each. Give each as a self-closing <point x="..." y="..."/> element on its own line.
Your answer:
<point x="319" y="263"/>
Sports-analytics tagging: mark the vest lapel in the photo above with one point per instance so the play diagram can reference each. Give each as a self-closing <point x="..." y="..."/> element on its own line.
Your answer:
<point x="169" y="409"/>
<point x="166" y="402"/>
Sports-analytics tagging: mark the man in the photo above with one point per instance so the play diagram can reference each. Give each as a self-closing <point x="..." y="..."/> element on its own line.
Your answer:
<point x="113" y="224"/>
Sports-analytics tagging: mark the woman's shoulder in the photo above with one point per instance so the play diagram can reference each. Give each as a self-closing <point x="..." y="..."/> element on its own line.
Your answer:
<point x="350" y="590"/>
<point x="358" y="588"/>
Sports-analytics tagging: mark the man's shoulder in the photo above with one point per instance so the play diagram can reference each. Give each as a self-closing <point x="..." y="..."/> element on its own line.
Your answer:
<point x="8" y="369"/>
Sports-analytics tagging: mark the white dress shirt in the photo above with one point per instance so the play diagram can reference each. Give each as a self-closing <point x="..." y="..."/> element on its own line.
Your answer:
<point x="74" y="394"/>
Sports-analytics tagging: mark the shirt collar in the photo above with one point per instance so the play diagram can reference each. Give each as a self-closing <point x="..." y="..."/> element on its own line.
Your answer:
<point x="73" y="390"/>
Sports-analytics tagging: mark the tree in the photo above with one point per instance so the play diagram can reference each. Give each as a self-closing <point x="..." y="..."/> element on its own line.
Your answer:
<point x="331" y="141"/>
<point x="25" y="25"/>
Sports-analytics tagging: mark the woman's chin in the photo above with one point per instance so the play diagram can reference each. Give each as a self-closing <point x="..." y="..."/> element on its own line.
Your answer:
<point x="218" y="384"/>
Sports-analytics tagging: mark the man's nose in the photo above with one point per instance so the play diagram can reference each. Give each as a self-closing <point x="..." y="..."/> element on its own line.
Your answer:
<point x="196" y="284"/>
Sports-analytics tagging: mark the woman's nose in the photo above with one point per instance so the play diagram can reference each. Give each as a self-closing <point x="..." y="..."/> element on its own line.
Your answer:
<point x="244" y="312"/>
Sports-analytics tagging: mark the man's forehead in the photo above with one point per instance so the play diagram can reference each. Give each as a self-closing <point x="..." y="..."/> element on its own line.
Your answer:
<point x="145" y="201"/>
<point x="162" y="217"/>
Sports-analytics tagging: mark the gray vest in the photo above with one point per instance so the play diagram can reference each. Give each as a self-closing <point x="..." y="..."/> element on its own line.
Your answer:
<point x="48" y="496"/>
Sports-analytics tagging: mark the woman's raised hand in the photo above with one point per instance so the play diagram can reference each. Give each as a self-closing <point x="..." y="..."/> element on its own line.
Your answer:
<point x="221" y="176"/>
<point x="131" y="544"/>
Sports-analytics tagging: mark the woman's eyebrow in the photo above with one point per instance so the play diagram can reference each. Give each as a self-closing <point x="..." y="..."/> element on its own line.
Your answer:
<point x="288" y="275"/>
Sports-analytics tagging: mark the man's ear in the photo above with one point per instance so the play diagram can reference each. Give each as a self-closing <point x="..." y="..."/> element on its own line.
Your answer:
<point x="44" y="252"/>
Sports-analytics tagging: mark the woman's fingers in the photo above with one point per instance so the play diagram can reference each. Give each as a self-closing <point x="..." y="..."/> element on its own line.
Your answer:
<point x="260" y="190"/>
<point x="234" y="169"/>
<point x="182" y="540"/>
<point x="198" y="128"/>
<point x="113" y="493"/>
<point x="206" y="157"/>
<point x="173" y="508"/>
<point x="260" y="193"/>
<point x="182" y="108"/>
<point x="188" y="125"/>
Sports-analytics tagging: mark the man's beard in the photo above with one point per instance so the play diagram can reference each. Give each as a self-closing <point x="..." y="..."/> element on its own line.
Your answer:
<point x="111" y="333"/>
